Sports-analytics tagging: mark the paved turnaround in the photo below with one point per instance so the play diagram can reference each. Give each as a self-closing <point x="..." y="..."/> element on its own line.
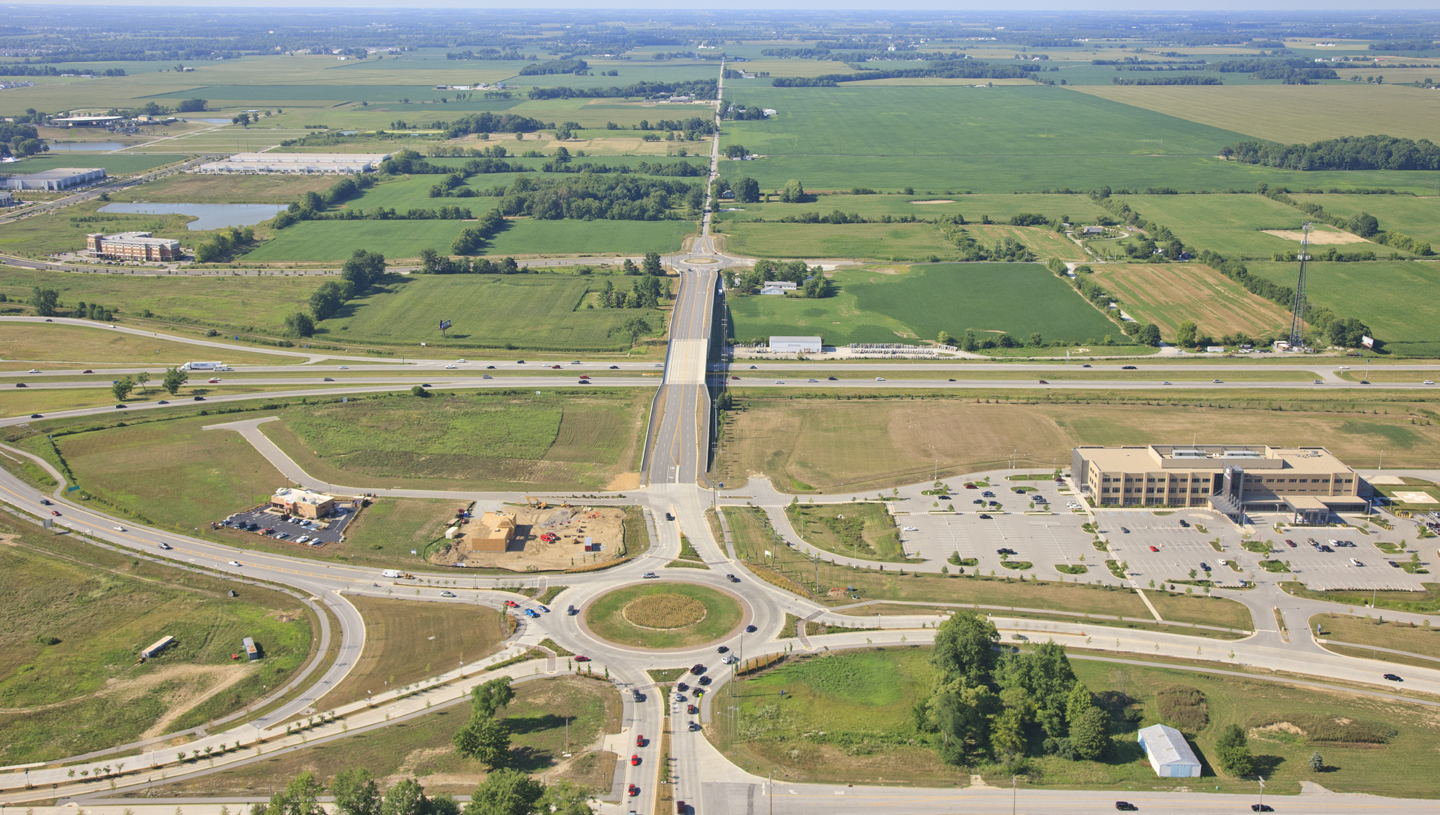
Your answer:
<point x="676" y="458"/>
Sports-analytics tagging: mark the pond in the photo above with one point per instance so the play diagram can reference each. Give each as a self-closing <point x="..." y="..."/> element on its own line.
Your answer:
<point x="208" y="216"/>
<point x="85" y="146"/>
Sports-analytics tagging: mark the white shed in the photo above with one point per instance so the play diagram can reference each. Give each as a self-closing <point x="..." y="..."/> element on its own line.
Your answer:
<point x="1169" y="754"/>
<point x="795" y="345"/>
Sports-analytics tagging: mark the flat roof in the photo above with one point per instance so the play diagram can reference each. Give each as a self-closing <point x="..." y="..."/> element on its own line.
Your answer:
<point x="795" y="339"/>
<point x="59" y="173"/>
<point x="1213" y="457"/>
<point x="307" y="158"/>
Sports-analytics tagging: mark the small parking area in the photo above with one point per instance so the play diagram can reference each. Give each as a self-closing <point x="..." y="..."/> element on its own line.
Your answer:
<point x="1044" y="540"/>
<point x="1177" y="549"/>
<point x="291" y="529"/>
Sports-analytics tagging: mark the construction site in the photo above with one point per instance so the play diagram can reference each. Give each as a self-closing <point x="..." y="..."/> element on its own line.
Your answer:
<point x="535" y="537"/>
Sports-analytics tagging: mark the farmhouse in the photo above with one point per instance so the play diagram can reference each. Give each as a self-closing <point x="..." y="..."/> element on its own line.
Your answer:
<point x="303" y="503"/>
<point x="312" y="163"/>
<point x="777" y="287"/>
<point x="58" y="179"/>
<point x="1169" y="754"/>
<point x="132" y="246"/>
<point x="1308" y="481"/>
<point x="795" y="345"/>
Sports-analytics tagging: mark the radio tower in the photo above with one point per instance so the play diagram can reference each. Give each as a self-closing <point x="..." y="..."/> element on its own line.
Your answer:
<point x="1297" y="309"/>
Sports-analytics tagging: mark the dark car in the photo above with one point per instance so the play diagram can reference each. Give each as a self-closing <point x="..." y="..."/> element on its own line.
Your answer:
<point x="21" y="385"/>
<point x="750" y="629"/>
<point x="986" y="517"/>
<point x="1125" y="530"/>
<point x="752" y="367"/>
<point x="199" y="398"/>
<point x="87" y="371"/>
<point x="1261" y="808"/>
<point x="162" y="402"/>
<point x="1394" y="678"/>
<point x="1127" y="367"/>
<point x="36" y="416"/>
<point x="831" y="379"/>
<point x="724" y="649"/>
<point x="697" y="669"/>
<point x="1185" y="524"/>
<point x="489" y="367"/>
<point x="1125" y="806"/>
<point x="732" y="578"/>
<point x="704" y="680"/>
<point x="1086" y="365"/>
<point x="614" y="367"/>
<point x="682" y="687"/>
<point x="669" y="517"/>
<point x="119" y="407"/>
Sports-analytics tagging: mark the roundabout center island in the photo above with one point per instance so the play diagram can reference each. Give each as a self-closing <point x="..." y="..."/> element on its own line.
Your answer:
<point x="664" y="615"/>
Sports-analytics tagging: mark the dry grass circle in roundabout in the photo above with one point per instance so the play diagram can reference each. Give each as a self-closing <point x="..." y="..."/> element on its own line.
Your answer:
<point x="664" y="615"/>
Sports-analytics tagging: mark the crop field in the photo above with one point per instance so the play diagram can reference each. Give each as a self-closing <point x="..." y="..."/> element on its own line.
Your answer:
<point x="40" y="345"/>
<point x="863" y="444"/>
<point x="192" y="188"/>
<point x="234" y="302"/>
<point x="492" y="311"/>
<point x="489" y="440"/>
<point x="895" y="242"/>
<point x="1168" y="294"/>
<point x="334" y="241"/>
<point x="1417" y="217"/>
<point x="1381" y="294"/>
<point x="422" y="747"/>
<point x="409" y="640"/>
<point x="74" y="618"/>
<point x="225" y="139"/>
<point x="1228" y="224"/>
<point x="1363" y="741"/>
<point x="920" y="302"/>
<point x="1289" y="114"/>
<point x="111" y="163"/>
<point x="1000" y="208"/>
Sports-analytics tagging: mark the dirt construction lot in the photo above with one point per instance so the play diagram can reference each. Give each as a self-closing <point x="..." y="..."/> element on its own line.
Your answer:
<point x="547" y="540"/>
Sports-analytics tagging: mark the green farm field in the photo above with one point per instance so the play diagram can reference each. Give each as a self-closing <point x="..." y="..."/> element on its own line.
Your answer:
<point x="1000" y="208"/>
<point x="542" y="312"/>
<point x="111" y="163"/>
<point x="75" y="617"/>
<point x="489" y="440"/>
<point x="880" y="241"/>
<point x="920" y="302"/>
<point x="1168" y="294"/>
<point x="1289" y="114"/>
<point x="848" y="694"/>
<point x="1416" y="217"/>
<point x="1229" y="224"/>
<point x="237" y="303"/>
<point x="194" y="188"/>
<point x="42" y="345"/>
<point x="1381" y="294"/>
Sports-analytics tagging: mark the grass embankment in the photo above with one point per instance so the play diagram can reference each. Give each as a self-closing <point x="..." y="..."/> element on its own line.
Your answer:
<point x="862" y="704"/>
<point x="1364" y="633"/>
<point x="859" y="530"/>
<point x="406" y="641"/>
<point x="861" y="440"/>
<point x="74" y="620"/>
<point x="751" y="538"/>
<point x="42" y="345"/>
<point x="663" y="615"/>
<point x="1426" y="601"/>
<point x="422" y="747"/>
<point x="689" y="558"/>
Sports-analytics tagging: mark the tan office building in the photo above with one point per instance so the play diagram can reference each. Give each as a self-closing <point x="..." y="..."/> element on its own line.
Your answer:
<point x="1308" y="481"/>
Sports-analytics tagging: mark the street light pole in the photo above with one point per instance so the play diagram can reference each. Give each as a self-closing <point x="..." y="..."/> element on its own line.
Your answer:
<point x="1014" y="792"/>
<point x="770" y="791"/>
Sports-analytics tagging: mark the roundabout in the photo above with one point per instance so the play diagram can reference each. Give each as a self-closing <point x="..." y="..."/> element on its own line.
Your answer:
<point x="664" y="615"/>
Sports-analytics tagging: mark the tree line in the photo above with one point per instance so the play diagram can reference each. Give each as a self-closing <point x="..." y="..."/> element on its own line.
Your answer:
<point x="600" y="197"/>
<point x="1346" y="153"/>
<point x="20" y="140"/>
<point x="15" y="69"/>
<point x="968" y="69"/>
<point x="699" y="89"/>
<point x="556" y="66"/>
<point x="1168" y="80"/>
<point x="487" y="122"/>
<point x="358" y="275"/>
<point x="225" y="244"/>
<point x="355" y="791"/>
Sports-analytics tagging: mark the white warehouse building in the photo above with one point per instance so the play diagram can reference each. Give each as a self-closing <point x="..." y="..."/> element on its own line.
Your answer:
<point x="795" y="345"/>
<point x="1170" y="755"/>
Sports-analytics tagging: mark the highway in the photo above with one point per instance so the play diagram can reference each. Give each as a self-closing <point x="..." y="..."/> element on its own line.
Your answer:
<point x="676" y="459"/>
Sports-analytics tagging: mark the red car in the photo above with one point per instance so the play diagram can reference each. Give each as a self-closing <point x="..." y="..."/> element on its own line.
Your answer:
<point x="639" y="741"/>
<point x="582" y="658"/>
<point x="1290" y="543"/>
<point x="55" y="512"/>
<point x="691" y="709"/>
<point x="1153" y="549"/>
<point x="633" y="791"/>
<point x="511" y="604"/>
<point x="634" y="761"/>
<point x="556" y="367"/>
<point x="971" y="487"/>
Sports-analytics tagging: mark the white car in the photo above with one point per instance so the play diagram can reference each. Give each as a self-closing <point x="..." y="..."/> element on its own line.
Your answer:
<point x="779" y="382"/>
<point x="119" y="529"/>
<point x="303" y="539"/>
<point x="32" y="371"/>
<point x="912" y="529"/>
<point x="649" y="576"/>
<point x="1427" y="382"/>
<point x="449" y="367"/>
<point x="344" y="367"/>
<point x="1354" y="562"/>
<point x="234" y="562"/>
<point x="460" y="361"/>
<point x="163" y="545"/>
<point x="879" y="379"/>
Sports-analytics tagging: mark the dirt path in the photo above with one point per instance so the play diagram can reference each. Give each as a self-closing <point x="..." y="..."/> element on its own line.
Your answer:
<point x="180" y="703"/>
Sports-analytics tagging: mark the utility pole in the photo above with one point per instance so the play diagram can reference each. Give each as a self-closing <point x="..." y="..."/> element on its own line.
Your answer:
<point x="1015" y="792"/>
<point x="770" y="791"/>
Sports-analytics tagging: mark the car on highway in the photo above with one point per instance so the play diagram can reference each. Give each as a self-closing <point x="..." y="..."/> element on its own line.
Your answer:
<point x="1364" y="382"/>
<point x="213" y="381"/>
<point x="486" y="376"/>
<point x="1164" y="383"/>
<point x="1086" y="365"/>
<point x="344" y="368"/>
<point x="1261" y="808"/>
<point x="32" y="371"/>
<point x="635" y="760"/>
<point x="735" y="379"/>
<point x="649" y="576"/>
<point x="36" y="416"/>
<point x="234" y="562"/>
<point x="447" y="593"/>
<point x="489" y="367"/>
<point x="328" y="379"/>
<point x="519" y="362"/>
<point x="119" y="407"/>
<point x="879" y="379"/>
<point x="55" y="512"/>
<point x="1043" y="382"/>
<point x="1127" y="367"/>
<point x="119" y="529"/>
<point x="162" y="402"/>
<point x="779" y="382"/>
<point x="639" y="741"/>
<point x="1427" y="382"/>
<point x="199" y="399"/>
<point x="582" y="658"/>
<point x="87" y="371"/>
<point x="555" y="367"/>
<point x="45" y="502"/>
<point x="753" y="368"/>
<point x="632" y="790"/>
<point x="813" y="380"/>
<point x="614" y="367"/>
<point x="163" y="545"/>
<point x="449" y="367"/>
<point x="831" y="379"/>
<point x="1394" y="678"/>
<point x="23" y="385"/>
<point x="750" y="629"/>
<point x="1125" y="806"/>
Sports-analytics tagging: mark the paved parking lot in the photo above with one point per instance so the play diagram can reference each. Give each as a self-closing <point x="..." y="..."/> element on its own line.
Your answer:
<point x="1044" y="540"/>
<point x="333" y="529"/>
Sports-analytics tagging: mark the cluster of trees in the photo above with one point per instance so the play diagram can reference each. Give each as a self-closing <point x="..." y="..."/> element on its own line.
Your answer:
<point x="1005" y="249"/>
<point x="563" y="162"/>
<point x="700" y="89"/>
<point x="1295" y="71"/>
<point x="966" y="69"/>
<point x="432" y="262"/>
<point x="644" y="293"/>
<point x="1346" y="153"/>
<point x="46" y="302"/>
<point x="1157" y="242"/>
<point x="1404" y="45"/>
<point x="472" y="239"/>
<point x="487" y="122"/>
<point x="15" y="69"/>
<point x="745" y="189"/>
<point x="312" y="204"/>
<point x="794" y="193"/>
<point x="20" y="140"/>
<point x="125" y="385"/>
<point x="986" y="705"/>
<point x="1361" y="223"/>
<point x="93" y="311"/>
<point x="361" y="272"/>
<point x="409" y="162"/>
<point x="1320" y="319"/>
<point x="504" y="792"/>
<point x="225" y="244"/>
<point x="1168" y="80"/>
<point x="811" y="282"/>
<point x="556" y="66"/>
<point x="490" y="53"/>
<point x="623" y="197"/>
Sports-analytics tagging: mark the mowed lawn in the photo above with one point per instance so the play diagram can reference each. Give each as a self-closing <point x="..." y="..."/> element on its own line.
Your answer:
<point x="111" y="163"/>
<point x="22" y="344"/>
<point x="1389" y="296"/>
<point x="1167" y="294"/>
<point x="486" y="440"/>
<point x="494" y="311"/>
<point x="1228" y="224"/>
<point x="919" y="302"/>
<point x="334" y="241"/>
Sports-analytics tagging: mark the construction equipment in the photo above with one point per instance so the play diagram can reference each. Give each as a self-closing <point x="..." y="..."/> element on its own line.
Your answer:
<point x="536" y="503"/>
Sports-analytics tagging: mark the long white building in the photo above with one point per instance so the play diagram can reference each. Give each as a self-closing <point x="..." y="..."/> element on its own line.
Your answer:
<point x="312" y="163"/>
